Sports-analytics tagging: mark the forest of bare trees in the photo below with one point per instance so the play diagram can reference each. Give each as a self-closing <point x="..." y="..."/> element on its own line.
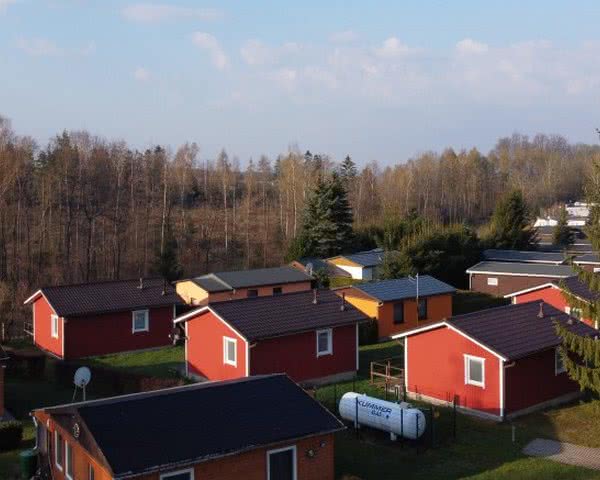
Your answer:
<point x="84" y="208"/>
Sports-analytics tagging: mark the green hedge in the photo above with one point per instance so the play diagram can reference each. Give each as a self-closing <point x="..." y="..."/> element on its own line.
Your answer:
<point x="11" y="435"/>
<point x="368" y="332"/>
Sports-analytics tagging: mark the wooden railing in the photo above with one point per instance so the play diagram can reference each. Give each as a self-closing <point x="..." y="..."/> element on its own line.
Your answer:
<point x="385" y="372"/>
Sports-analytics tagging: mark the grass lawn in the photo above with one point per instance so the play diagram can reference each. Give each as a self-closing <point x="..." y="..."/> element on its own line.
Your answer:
<point x="9" y="461"/>
<point x="160" y="363"/>
<point x="466" y="301"/>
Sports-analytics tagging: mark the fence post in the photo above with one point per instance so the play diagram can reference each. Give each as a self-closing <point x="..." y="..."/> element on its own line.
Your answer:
<point x="402" y="423"/>
<point x="386" y="390"/>
<point x="417" y="431"/>
<point x="454" y="417"/>
<point x="432" y="437"/>
<point x="356" y="416"/>
<point x="334" y="395"/>
<point x="354" y="383"/>
<point x="404" y="390"/>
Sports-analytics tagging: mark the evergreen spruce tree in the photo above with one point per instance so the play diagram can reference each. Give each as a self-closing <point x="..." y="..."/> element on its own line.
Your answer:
<point x="581" y="355"/>
<point x="511" y="224"/>
<point x="562" y="235"/>
<point x="348" y="169"/>
<point x="166" y="263"/>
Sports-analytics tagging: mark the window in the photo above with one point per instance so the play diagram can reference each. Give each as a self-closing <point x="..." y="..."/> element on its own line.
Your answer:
<point x="422" y="309"/>
<point x="180" y="475"/>
<point x="324" y="343"/>
<point x="474" y="371"/>
<point x="277" y="291"/>
<point x="54" y="325"/>
<point x="399" y="312"/>
<point x="559" y="365"/>
<point x="253" y="292"/>
<point x="230" y="351"/>
<point x="91" y="473"/>
<point x="492" y="281"/>
<point x="69" y="460"/>
<point x="281" y="464"/>
<point x="140" y="321"/>
<point x="58" y="450"/>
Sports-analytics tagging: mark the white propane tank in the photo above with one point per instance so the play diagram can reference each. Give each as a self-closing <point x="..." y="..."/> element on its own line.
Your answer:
<point x="396" y="418"/>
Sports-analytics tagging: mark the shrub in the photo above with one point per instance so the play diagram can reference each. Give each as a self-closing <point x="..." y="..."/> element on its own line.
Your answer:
<point x="368" y="332"/>
<point x="11" y="435"/>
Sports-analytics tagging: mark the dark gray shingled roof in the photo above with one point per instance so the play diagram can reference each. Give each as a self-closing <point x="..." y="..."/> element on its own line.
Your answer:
<point x="109" y="296"/>
<point x="148" y="432"/>
<point x="514" y="268"/>
<point x="579" y="289"/>
<point x="265" y="317"/>
<point x="369" y="258"/>
<point x="225" y="281"/>
<point x="515" y="331"/>
<point x="525" y="256"/>
<point x="400" y="288"/>
<point x="588" y="258"/>
<point x="321" y="264"/>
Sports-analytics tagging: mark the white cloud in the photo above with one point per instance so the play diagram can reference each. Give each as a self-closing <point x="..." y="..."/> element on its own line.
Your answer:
<point x="344" y="36"/>
<point x="154" y="13"/>
<point x="39" y="47"/>
<point x="393" y="47"/>
<point x="285" y="77"/>
<point x="254" y="52"/>
<point x="4" y="4"/>
<point x="469" y="46"/>
<point x="208" y="43"/>
<point x="141" y="74"/>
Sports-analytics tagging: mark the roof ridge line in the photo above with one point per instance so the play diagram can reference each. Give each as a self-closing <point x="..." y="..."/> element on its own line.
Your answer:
<point x="97" y="282"/>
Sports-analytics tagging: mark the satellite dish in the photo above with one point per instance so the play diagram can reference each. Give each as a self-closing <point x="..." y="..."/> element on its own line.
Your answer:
<point x="82" y="377"/>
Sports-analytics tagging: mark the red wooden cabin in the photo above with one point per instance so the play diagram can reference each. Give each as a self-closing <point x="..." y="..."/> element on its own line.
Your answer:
<point x="498" y="363"/>
<point x="88" y="319"/>
<point x="311" y="336"/>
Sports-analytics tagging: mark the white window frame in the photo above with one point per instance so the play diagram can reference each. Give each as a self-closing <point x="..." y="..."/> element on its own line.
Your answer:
<point x="58" y="443"/>
<point x="165" y="476"/>
<point x="146" y="328"/>
<point x="556" y="357"/>
<point x="54" y="325"/>
<point x="329" y="350"/>
<point x="91" y="472"/>
<point x="279" y="450"/>
<point x="69" y="457"/>
<point x="226" y="342"/>
<point x="492" y="281"/>
<point x="468" y="381"/>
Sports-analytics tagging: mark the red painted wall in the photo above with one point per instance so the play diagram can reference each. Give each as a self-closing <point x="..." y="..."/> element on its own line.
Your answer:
<point x="296" y="355"/>
<point x="205" y="334"/>
<point x="42" y="327"/>
<point x="553" y="296"/>
<point x="436" y="367"/>
<point x="111" y="333"/>
<point x="532" y="380"/>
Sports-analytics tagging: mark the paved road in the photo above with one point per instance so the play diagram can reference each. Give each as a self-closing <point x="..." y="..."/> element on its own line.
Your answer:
<point x="564" y="453"/>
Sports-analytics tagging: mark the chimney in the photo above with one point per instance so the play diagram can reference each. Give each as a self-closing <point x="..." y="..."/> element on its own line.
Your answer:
<point x="541" y="312"/>
<point x="141" y="286"/>
<point x="343" y="306"/>
<point x="315" y="299"/>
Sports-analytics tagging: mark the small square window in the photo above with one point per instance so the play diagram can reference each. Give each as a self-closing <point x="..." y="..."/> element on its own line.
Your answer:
<point x="282" y="464"/>
<point x="54" y="325"/>
<point x="422" y="309"/>
<point x="252" y="292"/>
<point x="324" y="342"/>
<point x="140" y="321"/>
<point x="230" y="351"/>
<point x="559" y="365"/>
<point x="492" y="281"/>
<point x="474" y="371"/>
<point x="398" y="312"/>
<point x="277" y="291"/>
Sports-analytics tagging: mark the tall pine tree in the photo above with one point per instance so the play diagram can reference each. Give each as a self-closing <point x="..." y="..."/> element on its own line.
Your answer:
<point x="511" y="226"/>
<point x="562" y="235"/>
<point x="581" y="355"/>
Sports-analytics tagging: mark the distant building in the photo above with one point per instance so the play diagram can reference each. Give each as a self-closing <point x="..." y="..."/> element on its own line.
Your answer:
<point x="502" y="278"/>
<point x="98" y="318"/>
<point x="554" y="294"/>
<point x="589" y="262"/>
<point x="497" y="363"/>
<point x="311" y="336"/>
<point x="401" y="304"/>
<point x="217" y="287"/>
<point x="524" y="256"/>
<point x="264" y="427"/>
<point x="360" y="265"/>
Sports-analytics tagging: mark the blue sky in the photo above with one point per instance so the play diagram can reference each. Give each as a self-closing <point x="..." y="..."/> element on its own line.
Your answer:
<point x="379" y="80"/>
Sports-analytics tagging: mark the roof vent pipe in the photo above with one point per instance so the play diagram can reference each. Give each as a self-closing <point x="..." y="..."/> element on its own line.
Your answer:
<point x="343" y="306"/>
<point x="315" y="299"/>
<point x="541" y="312"/>
<point x="141" y="286"/>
